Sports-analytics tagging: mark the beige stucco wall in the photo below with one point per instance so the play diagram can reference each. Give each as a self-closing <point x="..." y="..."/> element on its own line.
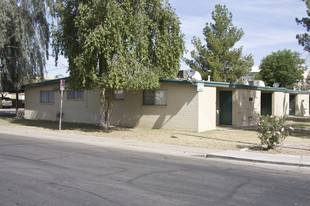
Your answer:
<point x="35" y="110"/>
<point x="244" y="111"/>
<point x="207" y="109"/>
<point x="280" y="103"/>
<point x="302" y="105"/>
<point x="181" y="111"/>
<point x="185" y="108"/>
<point x="246" y="107"/>
<point x="83" y="111"/>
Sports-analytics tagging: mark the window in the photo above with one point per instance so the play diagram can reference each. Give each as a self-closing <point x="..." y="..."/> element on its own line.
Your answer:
<point x="118" y="94"/>
<point x="75" y="95"/>
<point x="155" y="97"/>
<point x="47" y="96"/>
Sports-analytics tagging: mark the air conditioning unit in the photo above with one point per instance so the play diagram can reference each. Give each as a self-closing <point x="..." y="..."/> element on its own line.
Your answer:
<point x="189" y="74"/>
<point x="257" y="83"/>
<point x="182" y="74"/>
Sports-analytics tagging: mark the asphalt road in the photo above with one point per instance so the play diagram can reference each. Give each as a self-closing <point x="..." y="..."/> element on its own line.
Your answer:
<point x="40" y="172"/>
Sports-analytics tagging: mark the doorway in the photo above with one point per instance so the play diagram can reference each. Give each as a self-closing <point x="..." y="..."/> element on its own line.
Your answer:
<point x="225" y="108"/>
<point x="266" y="104"/>
<point x="292" y="104"/>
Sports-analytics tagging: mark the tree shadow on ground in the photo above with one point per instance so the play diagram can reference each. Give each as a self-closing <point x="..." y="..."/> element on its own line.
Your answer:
<point x="302" y="133"/>
<point x="299" y="119"/>
<point x="54" y="125"/>
<point x="212" y="138"/>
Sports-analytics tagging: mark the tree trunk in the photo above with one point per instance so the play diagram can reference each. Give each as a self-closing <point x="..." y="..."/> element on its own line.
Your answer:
<point x="106" y="108"/>
<point x="109" y="107"/>
<point x="17" y="100"/>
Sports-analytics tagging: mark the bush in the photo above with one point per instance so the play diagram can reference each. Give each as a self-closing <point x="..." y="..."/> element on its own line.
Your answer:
<point x="272" y="130"/>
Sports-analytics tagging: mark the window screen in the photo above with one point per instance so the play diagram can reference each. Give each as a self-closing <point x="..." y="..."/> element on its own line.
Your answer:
<point x="155" y="97"/>
<point x="75" y="94"/>
<point x="47" y="96"/>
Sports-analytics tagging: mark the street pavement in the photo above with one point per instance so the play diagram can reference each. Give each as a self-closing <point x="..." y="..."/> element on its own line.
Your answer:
<point x="182" y="151"/>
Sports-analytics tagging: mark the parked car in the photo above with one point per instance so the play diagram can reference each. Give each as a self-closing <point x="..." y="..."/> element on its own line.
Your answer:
<point x="6" y="102"/>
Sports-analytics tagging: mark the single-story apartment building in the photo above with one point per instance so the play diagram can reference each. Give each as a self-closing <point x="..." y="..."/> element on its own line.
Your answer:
<point x="178" y="104"/>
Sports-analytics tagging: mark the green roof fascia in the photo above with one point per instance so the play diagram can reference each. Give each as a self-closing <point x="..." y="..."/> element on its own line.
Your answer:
<point x="54" y="81"/>
<point x="231" y="85"/>
<point x="297" y="92"/>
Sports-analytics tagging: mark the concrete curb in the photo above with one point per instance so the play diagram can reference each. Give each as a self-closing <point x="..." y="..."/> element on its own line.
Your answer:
<point x="290" y="160"/>
<point x="174" y="150"/>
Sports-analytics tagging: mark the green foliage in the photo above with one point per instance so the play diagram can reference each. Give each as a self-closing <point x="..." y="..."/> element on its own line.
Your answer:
<point x="218" y="57"/>
<point x="118" y="44"/>
<point x="304" y="39"/>
<point x="24" y="40"/>
<point x="272" y="130"/>
<point x="283" y="67"/>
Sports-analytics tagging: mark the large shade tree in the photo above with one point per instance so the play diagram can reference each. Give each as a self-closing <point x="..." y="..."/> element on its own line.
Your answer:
<point x="24" y="40"/>
<point x="304" y="39"/>
<point x="118" y="45"/>
<point x="218" y="57"/>
<point x="284" y="67"/>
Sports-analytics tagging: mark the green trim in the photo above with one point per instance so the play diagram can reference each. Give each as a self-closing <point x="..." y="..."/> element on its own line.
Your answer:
<point x="231" y="85"/>
<point x="188" y="82"/>
<point x="54" y="81"/>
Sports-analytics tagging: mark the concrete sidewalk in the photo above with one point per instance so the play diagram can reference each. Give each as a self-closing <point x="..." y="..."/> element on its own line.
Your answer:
<point x="181" y="151"/>
<point x="280" y="159"/>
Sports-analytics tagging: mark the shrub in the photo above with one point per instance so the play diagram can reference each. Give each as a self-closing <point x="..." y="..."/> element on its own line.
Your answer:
<point x="272" y="130"/>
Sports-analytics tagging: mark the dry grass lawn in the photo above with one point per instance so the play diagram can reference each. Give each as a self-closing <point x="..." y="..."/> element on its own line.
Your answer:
<point x="223" y="139"/>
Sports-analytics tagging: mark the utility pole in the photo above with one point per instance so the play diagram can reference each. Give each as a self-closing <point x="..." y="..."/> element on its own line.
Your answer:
<point x="62" y="88"/>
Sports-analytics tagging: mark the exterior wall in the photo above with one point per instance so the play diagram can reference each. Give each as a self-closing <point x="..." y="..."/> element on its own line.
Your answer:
<point x="181" y="111"/>
<point x="246" y="107"/>
<point x="186" y="108"/>
<point x="280" y="104"/>
<point x="302" y="105"/>
<point x="82" y="111"/>
<point x="207" y="109"/>
<point x="35" y="110"/>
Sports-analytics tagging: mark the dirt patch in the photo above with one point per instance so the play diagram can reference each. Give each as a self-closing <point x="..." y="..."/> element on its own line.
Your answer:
<point x="221" y="139"/>
<point x="296" y="149"/>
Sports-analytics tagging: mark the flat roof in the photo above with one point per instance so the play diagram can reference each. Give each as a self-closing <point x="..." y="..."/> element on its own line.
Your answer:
<point x="189" y="82"/>
<point x="231" y="85"/>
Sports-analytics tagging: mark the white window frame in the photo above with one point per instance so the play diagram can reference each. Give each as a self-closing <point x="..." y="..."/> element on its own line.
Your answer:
<point x="155" y="97"/>
<point x="47" y="97"/>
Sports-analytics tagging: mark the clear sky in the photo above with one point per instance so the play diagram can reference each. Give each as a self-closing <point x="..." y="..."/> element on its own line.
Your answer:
<point x="269" y="26"/>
